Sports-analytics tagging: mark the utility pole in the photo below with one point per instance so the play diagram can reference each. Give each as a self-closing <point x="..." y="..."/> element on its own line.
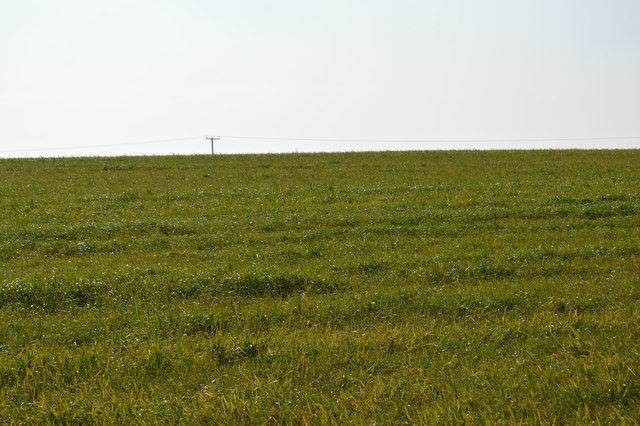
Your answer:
<point x="212" y="138"/>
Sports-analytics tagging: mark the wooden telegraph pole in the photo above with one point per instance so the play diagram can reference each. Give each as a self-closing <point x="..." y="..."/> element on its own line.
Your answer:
<point x="212" y="138"/>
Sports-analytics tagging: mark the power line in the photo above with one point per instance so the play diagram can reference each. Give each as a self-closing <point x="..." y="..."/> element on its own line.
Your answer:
<point x="306" y="139"/>
<point x="604" y="138"/>
<point x="147" y="142"/>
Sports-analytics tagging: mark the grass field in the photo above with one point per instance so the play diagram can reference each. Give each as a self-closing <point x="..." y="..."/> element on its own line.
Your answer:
<point x="387" y="288"/>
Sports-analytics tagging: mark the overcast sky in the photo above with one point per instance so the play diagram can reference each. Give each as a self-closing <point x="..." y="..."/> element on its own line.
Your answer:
<point x="77" y="74"/>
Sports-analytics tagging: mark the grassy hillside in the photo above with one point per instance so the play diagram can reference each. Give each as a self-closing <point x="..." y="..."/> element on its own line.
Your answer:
<point x="419" y="287"/>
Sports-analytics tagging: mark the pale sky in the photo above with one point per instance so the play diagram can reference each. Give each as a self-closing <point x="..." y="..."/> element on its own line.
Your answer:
<point x="94" y="77"/>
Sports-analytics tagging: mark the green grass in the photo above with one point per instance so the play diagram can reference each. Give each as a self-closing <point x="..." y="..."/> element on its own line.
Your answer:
<point x="387" y="288"/>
